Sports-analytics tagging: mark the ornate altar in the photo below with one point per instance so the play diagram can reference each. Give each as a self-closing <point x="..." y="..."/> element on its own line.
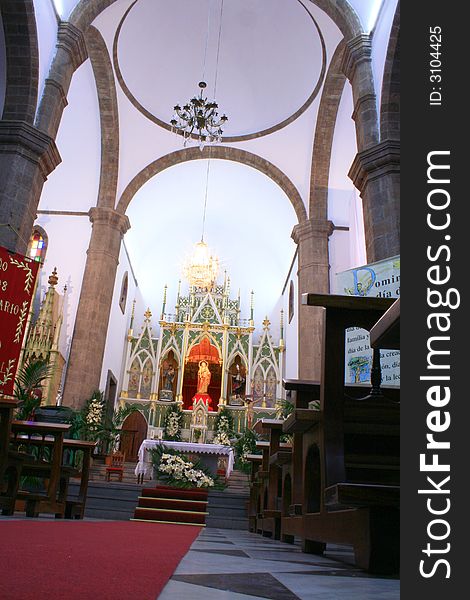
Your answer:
<point x="198" y="427"/>
<point x="204" y="333"/>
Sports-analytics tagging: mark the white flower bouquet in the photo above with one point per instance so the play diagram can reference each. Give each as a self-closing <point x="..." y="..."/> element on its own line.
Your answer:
<point x="174" y="468"/>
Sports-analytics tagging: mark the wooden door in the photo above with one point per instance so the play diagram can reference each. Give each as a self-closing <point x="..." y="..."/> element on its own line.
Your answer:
<point x="134" y="432"/>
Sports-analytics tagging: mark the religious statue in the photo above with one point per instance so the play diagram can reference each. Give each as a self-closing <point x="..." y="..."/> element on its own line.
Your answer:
<point x="203" y="377"/>
<point x="238" y="382"/>
<point x="168" y="375"/>
<point x="249" y="403"/>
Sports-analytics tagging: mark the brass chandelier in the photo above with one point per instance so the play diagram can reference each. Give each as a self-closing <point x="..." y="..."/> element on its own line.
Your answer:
<point x="198" y="120"/>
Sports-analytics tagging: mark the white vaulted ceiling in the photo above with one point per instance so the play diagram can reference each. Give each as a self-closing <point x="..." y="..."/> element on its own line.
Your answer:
<point x="273" y="58"/>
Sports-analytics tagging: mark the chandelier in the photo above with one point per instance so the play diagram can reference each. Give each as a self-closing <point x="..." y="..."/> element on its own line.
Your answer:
<point x="202" y="267"/>
<point x="199" y="119"/>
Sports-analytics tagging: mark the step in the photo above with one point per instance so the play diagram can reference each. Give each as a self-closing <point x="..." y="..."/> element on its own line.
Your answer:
<point x="116" y="501"/>
<point x="168" y="522"/>
<point x="174" y="493"/>
<point x="176" y="516"/>
<point x="227" y="523"/>
<point x="170" y="503"/>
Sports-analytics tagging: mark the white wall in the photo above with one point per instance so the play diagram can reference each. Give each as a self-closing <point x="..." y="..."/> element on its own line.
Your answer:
<point x="63" y="7"/>
<point x="114" y="354"/>
<point x="341" y="192"/>
<point x="68" y="238"/>
<point x="367" y="11"/>
<point x="74" y="184"/>
<point x="380" y="39"/>
<point x="46" y="24"/>
<point x="291" y="330"/>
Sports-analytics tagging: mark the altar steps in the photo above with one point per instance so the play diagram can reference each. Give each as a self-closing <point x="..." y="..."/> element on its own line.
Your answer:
<point x="162" y="504"/>
<point x="115" y="501"/>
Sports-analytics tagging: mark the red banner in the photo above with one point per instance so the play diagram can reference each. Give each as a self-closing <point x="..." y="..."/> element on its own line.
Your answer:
<point x="17" y="281"/>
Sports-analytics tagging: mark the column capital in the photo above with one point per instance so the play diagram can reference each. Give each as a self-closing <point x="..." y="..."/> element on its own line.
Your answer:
<point x="19" y="137"/>
<point x="71" y="39"/>
<point x="312" y="228"/>
<point x="356" y="51"/>
<point x="375" y="162"/>
<point x="110" y="217"/>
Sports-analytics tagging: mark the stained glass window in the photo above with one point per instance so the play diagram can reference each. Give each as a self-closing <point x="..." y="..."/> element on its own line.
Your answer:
<point x="37" y="246"/>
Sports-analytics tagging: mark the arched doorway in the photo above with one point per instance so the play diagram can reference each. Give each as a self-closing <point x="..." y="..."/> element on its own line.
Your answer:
<point x="133" y="433"/>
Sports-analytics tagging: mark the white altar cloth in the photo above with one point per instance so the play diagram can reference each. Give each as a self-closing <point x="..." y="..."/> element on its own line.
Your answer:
<point x="145" y="467"/>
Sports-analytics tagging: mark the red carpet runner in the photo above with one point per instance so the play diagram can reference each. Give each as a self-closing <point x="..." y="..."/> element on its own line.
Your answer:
<point x="82" y="560"/>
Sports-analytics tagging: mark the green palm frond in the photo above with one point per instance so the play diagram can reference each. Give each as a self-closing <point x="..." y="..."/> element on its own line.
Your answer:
<point x="31" y="376"/>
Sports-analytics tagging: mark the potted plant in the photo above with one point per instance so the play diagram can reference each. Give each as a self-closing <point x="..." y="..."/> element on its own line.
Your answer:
<point x="28" y="382"/>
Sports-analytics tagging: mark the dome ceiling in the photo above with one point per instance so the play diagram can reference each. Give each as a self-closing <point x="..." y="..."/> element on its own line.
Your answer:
<point x="270" y="68"/>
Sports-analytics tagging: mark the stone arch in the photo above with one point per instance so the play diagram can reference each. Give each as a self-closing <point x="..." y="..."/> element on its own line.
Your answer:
<point x="390" y="100"/>
<point x="340" y="11"/>
<point x="324" y="132"/>
<point x="109" y="117"/>
<point x="22" y="76"/>
<point x="217" y="152"/>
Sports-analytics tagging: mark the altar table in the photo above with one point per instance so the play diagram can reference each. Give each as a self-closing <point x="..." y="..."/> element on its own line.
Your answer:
<point x="145" y="468"/>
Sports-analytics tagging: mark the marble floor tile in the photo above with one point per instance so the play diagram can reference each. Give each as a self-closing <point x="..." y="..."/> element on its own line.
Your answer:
<point x="224" y="564"/>
<point x="178" y="590"/>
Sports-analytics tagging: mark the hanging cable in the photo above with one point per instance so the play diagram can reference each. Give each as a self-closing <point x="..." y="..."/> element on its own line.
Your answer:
<point x="205" y="197"/>
<point x="218" y="48"/>
<point x="207" y="40"/>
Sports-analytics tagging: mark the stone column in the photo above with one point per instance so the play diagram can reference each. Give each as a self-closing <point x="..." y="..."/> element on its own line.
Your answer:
<point x="71" y="52"/>
<point x="376" y="168"/>
<point x="27" y="156"/>
<point x="28" y="153"/>
<point x="376" y="173"/>
<point x="91" y="324"/>
<point x="313" y="276"/>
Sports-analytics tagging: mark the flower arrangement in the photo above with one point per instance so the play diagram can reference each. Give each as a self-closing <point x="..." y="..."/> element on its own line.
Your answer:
<point x="174" y="468"/>
<point x="172" y="424"/>
<point x="245" y="444"/>
<point x="88" y="422"/>
<point x="223" y="427"/>
<point x="94" y="414"/>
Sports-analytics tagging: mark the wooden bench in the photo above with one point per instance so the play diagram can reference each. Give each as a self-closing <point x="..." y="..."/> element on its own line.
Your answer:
<point x="275" y="455"/>
<point x="11" y="463"/>
<point x="41" y="445"/>
<point x="76" y="462"/>
<point x="351" y="450"/>
<point x="253" y="509"/>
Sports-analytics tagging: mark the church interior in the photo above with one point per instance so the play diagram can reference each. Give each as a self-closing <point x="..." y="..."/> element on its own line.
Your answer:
<point x="199" y="299"/>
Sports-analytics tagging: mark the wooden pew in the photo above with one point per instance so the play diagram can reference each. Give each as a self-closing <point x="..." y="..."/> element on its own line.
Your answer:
<point x="71" y="467"/>
<point x="351" y="450"/>
<point x="41" y="445"/>
<point x="301" y="393"/>
<point x="274" y="454"/>
<point x="11" y="463"/>
<point x="255" y="460"/>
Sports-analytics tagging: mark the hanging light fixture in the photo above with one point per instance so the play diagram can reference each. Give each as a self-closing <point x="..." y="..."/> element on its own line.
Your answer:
<point x="198" y="120"/>
<point x="202" y="267"/>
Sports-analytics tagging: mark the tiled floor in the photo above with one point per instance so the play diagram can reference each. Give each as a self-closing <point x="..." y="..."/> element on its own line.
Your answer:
<point x="237" y="565"/>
